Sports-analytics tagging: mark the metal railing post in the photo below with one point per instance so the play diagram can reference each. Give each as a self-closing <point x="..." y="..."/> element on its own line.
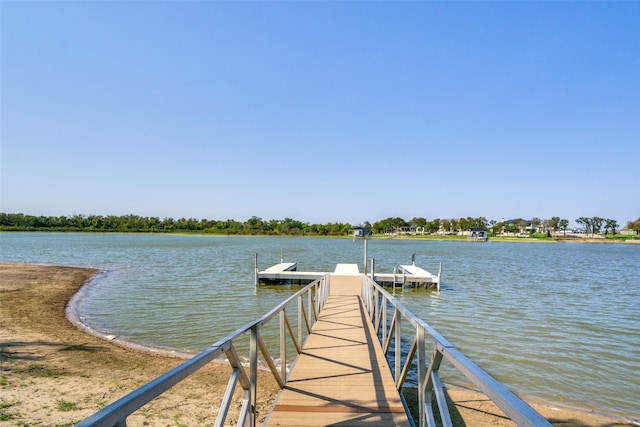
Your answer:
<point x="398" y="346"/>
<point x="422" y="373"/>
<point x="374" y="309"/>
<point x="300" y="319"/>
<point x="384" y="319"/>
<point x="283" y="347"/>
<point x="253" y="376"/>
<point x="310" y="305"/>
<point x="434" y="365"/>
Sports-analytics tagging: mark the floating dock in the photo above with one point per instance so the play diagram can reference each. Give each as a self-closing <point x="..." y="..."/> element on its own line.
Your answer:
<point x="286" y="273"/>
<point x="409" y="276"/>
<point x="404" y="276"/>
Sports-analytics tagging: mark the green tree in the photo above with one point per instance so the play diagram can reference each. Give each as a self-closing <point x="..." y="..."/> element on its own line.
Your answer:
<point x="254" y="225"/>
<point x="433" y="226"/>
<point x="610" y="224"/>
<point x="634" y="226"/>
<point x="562" y="225"/>
<point x="495" y="226"/>
<point x="168" y="224"/>
<point x="419" y="222"/>
<point x="596" y="224"/>
<point x="480" y="222"/>
<point x="586" y="223"/>
<point x="388" y="225"/>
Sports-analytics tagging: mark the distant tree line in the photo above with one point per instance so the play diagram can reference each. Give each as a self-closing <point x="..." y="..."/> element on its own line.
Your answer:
<point x="140" y="224"/>
<point x="290" y="227"/>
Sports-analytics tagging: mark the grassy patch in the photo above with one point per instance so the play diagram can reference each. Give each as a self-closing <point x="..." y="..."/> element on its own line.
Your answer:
<point x="65" y="406"/>
<point x="94" y="399"/>
<point x="618" y="237"/>
<point x="178" y="423"/>
<point x="4" y="415"/>
<point x="43" y="372"/>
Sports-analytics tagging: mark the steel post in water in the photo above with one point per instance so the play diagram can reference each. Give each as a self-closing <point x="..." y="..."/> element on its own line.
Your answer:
<point x="256" y="270"/>
<point x="365" y="256"/>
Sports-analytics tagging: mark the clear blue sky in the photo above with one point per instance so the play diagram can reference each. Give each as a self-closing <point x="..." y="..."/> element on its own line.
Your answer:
<point x="321" y="111"/>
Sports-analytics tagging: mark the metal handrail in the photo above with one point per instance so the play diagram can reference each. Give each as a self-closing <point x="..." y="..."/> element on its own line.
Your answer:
<point x="316" y="292"/>
<point x="378" y="301"/>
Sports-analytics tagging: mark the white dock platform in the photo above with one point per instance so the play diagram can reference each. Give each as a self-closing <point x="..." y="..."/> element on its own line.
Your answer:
<point x="414" y="270"/>
<point x="286" y="273"/>
<point x="347" y="270"/>
<point x="409" y="275"/>
<point x="406" y="276"/>
<point x="283" y="266"/>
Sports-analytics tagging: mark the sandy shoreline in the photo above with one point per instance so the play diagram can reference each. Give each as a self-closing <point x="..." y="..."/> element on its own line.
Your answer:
<point x="52" y="373"/>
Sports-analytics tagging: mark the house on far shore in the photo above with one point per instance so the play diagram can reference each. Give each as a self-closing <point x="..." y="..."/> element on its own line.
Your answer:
<point x="361" y="232"/>
<point x="517" y="227"/>
<point x="406" y="229"/>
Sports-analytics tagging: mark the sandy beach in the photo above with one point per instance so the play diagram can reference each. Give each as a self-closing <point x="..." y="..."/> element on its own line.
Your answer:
<point x="52" y="373"/>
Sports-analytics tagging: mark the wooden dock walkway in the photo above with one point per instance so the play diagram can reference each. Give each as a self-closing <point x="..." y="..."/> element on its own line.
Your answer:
<point x="341" y="378"/>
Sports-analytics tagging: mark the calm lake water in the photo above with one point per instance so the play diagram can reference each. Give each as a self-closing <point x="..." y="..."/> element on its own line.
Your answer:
<point x="557" y="321"/>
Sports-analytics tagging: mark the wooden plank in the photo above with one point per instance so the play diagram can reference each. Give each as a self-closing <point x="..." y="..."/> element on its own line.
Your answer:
<point x="340" y="419"/>
<point x="342" y="377"/>
<point x="345" y="284"/>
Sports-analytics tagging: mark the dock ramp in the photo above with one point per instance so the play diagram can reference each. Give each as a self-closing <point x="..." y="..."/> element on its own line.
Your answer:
<point x="341" y="377"/>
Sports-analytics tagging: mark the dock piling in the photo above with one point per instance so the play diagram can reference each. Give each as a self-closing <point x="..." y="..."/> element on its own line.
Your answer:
<point x="255" y="275"/>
